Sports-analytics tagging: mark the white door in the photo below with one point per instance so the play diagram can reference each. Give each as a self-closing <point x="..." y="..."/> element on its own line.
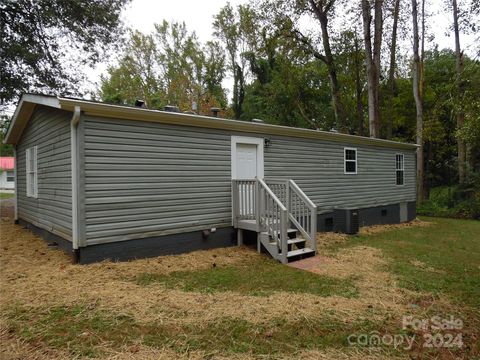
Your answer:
<point x="247" y="164"/>
<point x="247" y="157"/>
<point x="246" y="161"/>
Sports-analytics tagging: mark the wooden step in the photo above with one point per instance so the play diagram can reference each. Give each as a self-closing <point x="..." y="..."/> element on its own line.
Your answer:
<point x="292" y="233"/>
<point x="300" y="252"/>
<point x="295" y="241"/>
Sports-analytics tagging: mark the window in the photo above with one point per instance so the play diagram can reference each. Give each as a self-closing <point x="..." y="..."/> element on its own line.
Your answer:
<point x="399" y="169"/>
<point x="10" y="176"/>
<point x="350" y="157"/>
<point x="32" y="180"/>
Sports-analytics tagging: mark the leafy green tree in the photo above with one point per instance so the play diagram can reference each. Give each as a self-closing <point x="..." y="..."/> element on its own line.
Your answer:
<point x="237" y="31"/>
<point x="169" y="66"/>
<point x="5" y="149"/>
<point x="349" y="59"/>
<point x="285" y="18"/>
<point x="38" y="35"/>
<point x="289" y="87"/>
<point x="136" y="75"/>
<point x="440" y="126"/>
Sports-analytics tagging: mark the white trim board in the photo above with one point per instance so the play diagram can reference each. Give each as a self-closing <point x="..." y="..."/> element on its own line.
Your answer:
<point x="246" y="140"/>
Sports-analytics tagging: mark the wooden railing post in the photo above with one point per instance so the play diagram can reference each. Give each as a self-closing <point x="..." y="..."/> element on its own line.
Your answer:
<point x="234" y="203"/>
<point x="257" y="202"/>
<point x="283" y="234"/>
<point x="287" y="195"/>
<point x="314" y="229"/>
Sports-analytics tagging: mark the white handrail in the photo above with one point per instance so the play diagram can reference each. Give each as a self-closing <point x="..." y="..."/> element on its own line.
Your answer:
<point x="270" y="192"/>
<point x="302" y="212"/>
<point x="255" y="199"/>
<point x="302" y="194"/>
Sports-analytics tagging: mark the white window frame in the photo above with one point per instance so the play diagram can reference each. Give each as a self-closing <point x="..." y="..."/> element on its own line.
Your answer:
<point x="345" y="161"/>
<point x="31" y="155"/>
<point x="402" y="169"/>
<point x="11" y="174"/>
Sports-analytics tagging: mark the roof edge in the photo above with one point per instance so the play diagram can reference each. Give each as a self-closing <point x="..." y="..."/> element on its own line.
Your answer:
<point x="131" y="113"/>
<point x="28" y="102"/>
<point x="25" y="107"/>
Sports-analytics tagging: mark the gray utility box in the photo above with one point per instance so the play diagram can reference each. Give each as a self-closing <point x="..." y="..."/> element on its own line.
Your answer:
<point x="346" y="221"/>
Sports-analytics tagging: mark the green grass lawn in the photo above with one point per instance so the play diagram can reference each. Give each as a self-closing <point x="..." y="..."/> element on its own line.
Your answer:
<point x="6" y="195"/>
<point x="439" y="263"/>
<point x="450" y="250"/>
<point x="259" y="277"/>
<point x="84" y="331"/>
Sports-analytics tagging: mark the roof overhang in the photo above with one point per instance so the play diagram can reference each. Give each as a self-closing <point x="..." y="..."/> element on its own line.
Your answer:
<point x="24" y="111"/>
<point x="133" y="113"/>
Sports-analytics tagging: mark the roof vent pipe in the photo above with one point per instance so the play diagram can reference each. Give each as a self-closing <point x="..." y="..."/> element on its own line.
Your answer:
<point x="171" y="108"/>
<point x="140" y="103"/>
<point x="215" y="111"/>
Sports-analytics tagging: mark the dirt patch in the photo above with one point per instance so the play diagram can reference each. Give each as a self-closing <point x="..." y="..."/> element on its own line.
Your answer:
<point x="7" y="208"/>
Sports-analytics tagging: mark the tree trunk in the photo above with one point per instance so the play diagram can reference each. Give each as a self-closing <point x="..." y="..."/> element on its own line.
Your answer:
<point x="372" y="56"/>
<point x="321" y="11"/>
<point x="377" y="48"/>
<point x="358" y="87"/>
<point x="460" y="114"/>
<point x="391" y="71"/>
<point x="417" y="94"/>
<point x="238" y="90"/>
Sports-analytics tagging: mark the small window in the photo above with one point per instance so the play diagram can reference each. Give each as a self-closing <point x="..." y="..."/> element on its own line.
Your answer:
<point x="32" y="178"/>
<point x="10" y="176"/>
<point x="399" y="169"/>
<point x="350" y="157"/>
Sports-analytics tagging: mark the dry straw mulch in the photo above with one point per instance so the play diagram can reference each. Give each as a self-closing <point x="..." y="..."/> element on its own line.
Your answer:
<point x="34" y="275"/>
<point x="375" y="229"/>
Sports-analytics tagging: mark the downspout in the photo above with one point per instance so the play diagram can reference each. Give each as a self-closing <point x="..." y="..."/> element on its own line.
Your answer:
<point x="74" y="163"/>
<point x="15" y="173"/>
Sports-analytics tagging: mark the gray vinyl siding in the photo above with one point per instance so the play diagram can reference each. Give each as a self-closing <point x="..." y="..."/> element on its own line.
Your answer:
<point x="145" y="179"/>
<point x="318" y="169"/>
<point x="49" y="129"/>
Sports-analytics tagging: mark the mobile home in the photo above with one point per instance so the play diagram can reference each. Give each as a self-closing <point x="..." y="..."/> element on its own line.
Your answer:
<point x="117" y="182"/>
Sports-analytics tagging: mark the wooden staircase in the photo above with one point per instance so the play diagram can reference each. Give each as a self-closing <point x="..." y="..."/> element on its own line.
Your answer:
<point x="283" y="217"/>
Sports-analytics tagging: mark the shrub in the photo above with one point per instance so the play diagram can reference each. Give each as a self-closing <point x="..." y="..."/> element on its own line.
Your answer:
<point x="460" y="201"/>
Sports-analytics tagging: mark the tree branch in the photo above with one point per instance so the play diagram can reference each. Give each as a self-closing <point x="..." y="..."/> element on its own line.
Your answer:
<point x="307" y="46"/>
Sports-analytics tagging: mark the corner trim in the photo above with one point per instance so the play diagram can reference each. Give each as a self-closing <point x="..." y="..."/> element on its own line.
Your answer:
<point x="15" y="172"/>
<point x="75" y="173"/>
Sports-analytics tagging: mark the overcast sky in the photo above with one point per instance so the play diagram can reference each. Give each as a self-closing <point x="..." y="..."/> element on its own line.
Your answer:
<point x="198" y="16"/>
